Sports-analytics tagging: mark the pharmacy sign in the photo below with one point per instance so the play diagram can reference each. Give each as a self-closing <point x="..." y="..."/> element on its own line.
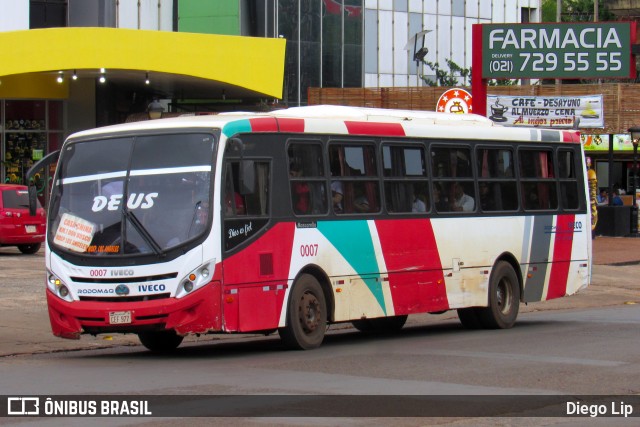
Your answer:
<point x="552" y="50"/>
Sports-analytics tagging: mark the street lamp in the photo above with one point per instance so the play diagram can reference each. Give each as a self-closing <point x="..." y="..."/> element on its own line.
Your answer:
<point x="635" y="138"/>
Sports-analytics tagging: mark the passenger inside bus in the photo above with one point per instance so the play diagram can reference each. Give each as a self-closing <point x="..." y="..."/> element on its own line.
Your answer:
<point x="299" y="190"/>
<point x="361" y="204"/>
<point x="418" y="204"/>
<point x="487" y="202"/>
<point x="439" y="199"/>
<point x="337" y="193"/>
<point x="462" y="202"/>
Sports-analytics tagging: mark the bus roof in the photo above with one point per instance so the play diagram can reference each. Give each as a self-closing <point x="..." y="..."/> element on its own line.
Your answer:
<point x="335" y="119"/>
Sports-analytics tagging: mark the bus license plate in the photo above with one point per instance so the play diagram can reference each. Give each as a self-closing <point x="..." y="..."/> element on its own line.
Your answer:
<point x="119" y="317"/>
<point x="30" y="228"/>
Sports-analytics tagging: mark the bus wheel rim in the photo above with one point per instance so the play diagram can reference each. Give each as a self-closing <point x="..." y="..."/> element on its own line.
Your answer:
<point x="309" y="312"/>
<point x="503" y="296"/>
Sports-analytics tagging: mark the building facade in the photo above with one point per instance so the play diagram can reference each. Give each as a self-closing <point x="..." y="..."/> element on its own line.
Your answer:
<point x="358" y="43"/>
<point x="71" y="65"/>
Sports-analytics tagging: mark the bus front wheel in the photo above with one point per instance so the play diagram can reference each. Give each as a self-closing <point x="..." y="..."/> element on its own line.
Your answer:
<point x="504" y="298"/>
<point x="306" y="315"/>
<point x="160" y="341"/>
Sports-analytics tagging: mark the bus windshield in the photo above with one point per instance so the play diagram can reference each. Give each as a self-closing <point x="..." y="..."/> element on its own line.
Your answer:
<point x="132" y="195"/>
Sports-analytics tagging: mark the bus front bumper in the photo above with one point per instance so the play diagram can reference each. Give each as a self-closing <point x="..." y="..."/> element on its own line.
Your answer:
<point x="197" y="313"/>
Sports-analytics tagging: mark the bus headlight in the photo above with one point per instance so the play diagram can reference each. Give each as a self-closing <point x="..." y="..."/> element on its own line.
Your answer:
<point x="63" y="291"/>
<point x="56" y="286"/>
<point x="188" y="285"/>
<point x="196" y="279"/>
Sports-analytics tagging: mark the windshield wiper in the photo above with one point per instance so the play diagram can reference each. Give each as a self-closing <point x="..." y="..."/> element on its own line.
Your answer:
<point x="143" y="232"/>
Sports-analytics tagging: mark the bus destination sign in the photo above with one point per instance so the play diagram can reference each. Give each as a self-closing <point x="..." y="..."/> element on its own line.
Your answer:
<point x="552" y="50"/>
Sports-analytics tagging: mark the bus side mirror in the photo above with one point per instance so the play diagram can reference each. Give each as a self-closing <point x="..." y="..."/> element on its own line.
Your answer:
<point x="39" y="165"/>
<point x="33" y="200"/>
<point x="247" y="177"/>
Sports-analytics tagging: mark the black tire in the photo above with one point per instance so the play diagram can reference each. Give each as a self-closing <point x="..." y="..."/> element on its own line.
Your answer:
<point x="504" y="298"/>
<point x="469" y="318"/>
<point x="160" y="341"/>
<point x="29" y="249"/>
<point x="306" y="315"/>
<point x="380" y="324"/>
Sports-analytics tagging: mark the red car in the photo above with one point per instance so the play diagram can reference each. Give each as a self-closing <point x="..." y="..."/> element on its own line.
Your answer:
<point x="17" y="227"/>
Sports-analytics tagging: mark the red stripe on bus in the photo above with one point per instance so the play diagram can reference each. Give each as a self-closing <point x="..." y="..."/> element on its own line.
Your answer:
<point x="563" y="244"/>
<point x="291" y="125"/>
<point x="570" y="136"/>
<point x="252" y="308"/>
<point x="413" y="263"/>
<point x="367" y="128"/>
<point x="264" y="124"/>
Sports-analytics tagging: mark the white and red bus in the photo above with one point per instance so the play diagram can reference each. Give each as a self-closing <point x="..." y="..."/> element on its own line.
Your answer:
<point x="293" y="220"/>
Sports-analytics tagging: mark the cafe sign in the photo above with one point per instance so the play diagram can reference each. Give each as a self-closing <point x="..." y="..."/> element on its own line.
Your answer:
<point x="552" y="50"/>
<point x="547" y="111"/>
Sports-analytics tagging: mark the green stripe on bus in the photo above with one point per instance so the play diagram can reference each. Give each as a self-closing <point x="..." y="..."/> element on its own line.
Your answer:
<point x="353" y="240"/>
<point x="238" y="126"/>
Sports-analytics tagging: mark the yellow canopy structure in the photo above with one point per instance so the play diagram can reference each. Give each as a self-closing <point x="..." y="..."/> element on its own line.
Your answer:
<point x="251" y="65"/>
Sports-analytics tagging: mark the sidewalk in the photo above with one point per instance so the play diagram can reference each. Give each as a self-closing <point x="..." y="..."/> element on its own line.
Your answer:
<point x="616" y="250"/>
<point x="25" y="329"/>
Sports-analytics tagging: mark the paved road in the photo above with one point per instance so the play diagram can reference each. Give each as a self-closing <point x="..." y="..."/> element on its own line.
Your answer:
<point x="533" y="370"/>
<point x="24" y="322"/>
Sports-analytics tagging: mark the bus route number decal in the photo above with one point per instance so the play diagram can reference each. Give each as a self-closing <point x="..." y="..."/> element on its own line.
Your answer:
<point x="98" y="273"/>
<point x="309" y="250"/>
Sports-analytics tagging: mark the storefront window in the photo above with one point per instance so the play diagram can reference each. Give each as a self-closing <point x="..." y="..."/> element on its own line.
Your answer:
<point x="31" y="130"/>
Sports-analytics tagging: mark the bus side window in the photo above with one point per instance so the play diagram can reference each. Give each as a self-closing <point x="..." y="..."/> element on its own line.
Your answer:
<point x="454" y="188"/>
<point x="354" y="173"/>
<point x="257" y="203"/>
<point x="568" y="180"/>
<point x="496" y="180"/>
<point x="405" y="178"/>
<point x="233" y="201"/>
<point x="538" y="180"/>
<point x="307" y="178"/>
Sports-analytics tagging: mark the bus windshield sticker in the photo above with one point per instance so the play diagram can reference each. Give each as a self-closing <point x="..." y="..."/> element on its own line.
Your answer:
<point x="74" y="233"/>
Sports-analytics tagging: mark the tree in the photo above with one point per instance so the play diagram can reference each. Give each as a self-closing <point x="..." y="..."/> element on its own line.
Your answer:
<point x="575" y="11"/>
<point x="447" y="78"/>
<point x="452" y="77"/>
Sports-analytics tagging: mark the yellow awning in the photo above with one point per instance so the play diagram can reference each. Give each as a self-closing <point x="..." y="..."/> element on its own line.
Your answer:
<point x="253" y="63"/>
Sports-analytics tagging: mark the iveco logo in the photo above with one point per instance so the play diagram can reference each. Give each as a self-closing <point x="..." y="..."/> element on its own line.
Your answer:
<point x="122" y="290"/>
<point x="122" y="272"/>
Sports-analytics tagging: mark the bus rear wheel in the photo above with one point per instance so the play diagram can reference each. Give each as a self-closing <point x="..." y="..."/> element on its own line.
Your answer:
<point x="504" y="298"/>
<point x="380" y="324"/>
<point x="160" y="341"/>
<point x="306" y="315"/>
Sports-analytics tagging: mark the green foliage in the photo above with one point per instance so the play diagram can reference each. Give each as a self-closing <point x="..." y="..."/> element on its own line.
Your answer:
<point x="575" y="11"/>
<point x="446" y="77"/>
<point x="451" y="77"/>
